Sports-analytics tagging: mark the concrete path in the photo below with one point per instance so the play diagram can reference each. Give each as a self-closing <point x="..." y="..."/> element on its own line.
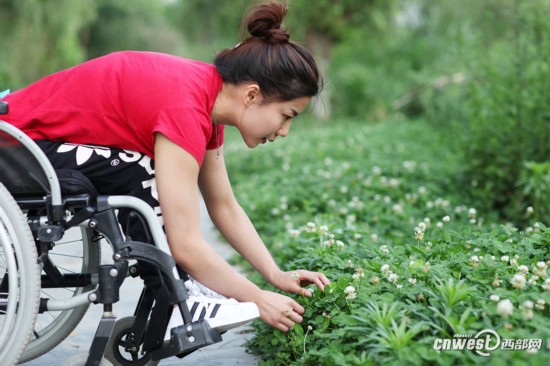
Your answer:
<point x="230" y="351"/>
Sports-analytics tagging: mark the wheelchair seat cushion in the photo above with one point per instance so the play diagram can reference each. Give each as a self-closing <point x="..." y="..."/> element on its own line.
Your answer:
<point x="74" y="182"/>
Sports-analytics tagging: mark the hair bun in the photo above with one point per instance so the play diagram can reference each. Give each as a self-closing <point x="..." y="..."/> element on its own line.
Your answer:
<point x="265" y="21"/>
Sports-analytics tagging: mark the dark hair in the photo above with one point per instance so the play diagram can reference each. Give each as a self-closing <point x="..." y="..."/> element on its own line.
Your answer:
<point x="283" y="69"/>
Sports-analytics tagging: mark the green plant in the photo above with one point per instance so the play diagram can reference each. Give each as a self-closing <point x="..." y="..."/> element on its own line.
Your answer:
<point x="533" y="196"/>
<point x="410" y="258"/>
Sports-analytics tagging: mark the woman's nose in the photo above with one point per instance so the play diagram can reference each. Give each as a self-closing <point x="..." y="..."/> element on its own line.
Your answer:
<point x="284" y="130"/>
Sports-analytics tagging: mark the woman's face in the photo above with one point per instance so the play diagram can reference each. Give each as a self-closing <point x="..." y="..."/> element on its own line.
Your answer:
<point x="263" y="122"/>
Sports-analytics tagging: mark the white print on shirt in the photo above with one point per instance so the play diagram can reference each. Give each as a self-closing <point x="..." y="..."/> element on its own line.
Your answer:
<point x="129" y="156"/>
<point x="84" y="152"/>
<point x="146" y="164"/>
<point x="151" y="183"/>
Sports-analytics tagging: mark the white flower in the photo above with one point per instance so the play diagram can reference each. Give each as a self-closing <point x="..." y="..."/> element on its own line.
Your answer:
<point x="472" y="213"/>
<point x="546" y="284"/>
<point x="385" y="268"/>
<point x="374" y="237"/>
<point x="392" y="277"/>
<point x="505" y="258"/>
<point x="505" y="308"/>
<point x="530" y="210"/>
<point x="412" y="281"/>
<point x="494" y="297"/>
<point x="384" y="249"/>
<point x="350" y="292"/>
<point x="323" y="230"/>
<point x="426" y="267"/>
<point x="528" y="309"/>
<point x="518" y="281"/>
<point x="540" y="269"/>
<point x="419" y="234"/>
<point x="523" y="269"/>
<point x="540" y="304"/>
<point x="446" y="219"/>
<point x="422" y="226"/>
<point x="340" y="243"/>
<point x="533" y="280"/>
<point x="428" y="246"/>
<point x="310" y="227"/>
<point x="294" y="233"/>
<point x="439" y="224"/>
<point x="397" y="208"/>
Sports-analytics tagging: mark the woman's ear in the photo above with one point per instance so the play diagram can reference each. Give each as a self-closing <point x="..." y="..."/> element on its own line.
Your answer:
<point x="252" y="94"/>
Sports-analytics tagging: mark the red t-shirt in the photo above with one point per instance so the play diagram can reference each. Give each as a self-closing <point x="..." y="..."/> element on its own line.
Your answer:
<point x="120" y="100"/>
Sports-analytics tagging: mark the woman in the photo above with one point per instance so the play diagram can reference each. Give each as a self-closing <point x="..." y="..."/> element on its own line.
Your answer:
<point x="151" y="125"/>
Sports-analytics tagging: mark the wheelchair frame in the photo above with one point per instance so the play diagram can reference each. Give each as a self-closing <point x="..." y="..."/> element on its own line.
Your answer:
<point x="164" y="289"/>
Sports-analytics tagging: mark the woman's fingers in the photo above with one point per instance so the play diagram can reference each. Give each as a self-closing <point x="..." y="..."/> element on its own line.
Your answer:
<point x="288" y="318"/>
<point x="280" y="311"/>
<point x="304" y="278"/>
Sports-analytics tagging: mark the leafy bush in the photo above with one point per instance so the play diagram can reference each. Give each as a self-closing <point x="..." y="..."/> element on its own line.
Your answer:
<point x="378" y="209"/>
<point x="502" y="119"/>
<point x="534" y="189"/>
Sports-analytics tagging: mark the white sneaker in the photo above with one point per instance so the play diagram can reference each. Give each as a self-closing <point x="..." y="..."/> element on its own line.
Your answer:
<point x="221" y="314"/>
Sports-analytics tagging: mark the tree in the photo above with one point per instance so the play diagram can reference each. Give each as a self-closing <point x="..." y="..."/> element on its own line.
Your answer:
<point x="40" y="37"/>
<point x="130" y="25"/>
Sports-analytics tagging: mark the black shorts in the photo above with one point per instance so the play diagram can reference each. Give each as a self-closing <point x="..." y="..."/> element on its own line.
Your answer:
<point x="112" y="171"/>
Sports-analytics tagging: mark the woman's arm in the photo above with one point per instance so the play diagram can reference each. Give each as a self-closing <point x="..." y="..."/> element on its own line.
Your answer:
<point x="177" y="173"/>
<point x="238" y="230"/>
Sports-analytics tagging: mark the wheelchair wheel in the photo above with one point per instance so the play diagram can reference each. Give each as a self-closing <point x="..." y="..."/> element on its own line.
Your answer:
<point x="77" y="252"/>
<point x="116" y="351"/>
<point x="19" y="280"/>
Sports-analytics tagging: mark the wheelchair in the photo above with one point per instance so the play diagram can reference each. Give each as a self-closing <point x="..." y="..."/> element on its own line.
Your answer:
<point x="47" y="282"/>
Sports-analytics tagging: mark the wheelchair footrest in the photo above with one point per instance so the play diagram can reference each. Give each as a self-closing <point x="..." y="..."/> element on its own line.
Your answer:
<point x="186" y="339"/>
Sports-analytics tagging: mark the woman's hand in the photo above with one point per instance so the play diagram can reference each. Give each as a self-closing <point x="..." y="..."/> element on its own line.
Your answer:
<point x="296" y="281"/>
<point x="278" y="310"/>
